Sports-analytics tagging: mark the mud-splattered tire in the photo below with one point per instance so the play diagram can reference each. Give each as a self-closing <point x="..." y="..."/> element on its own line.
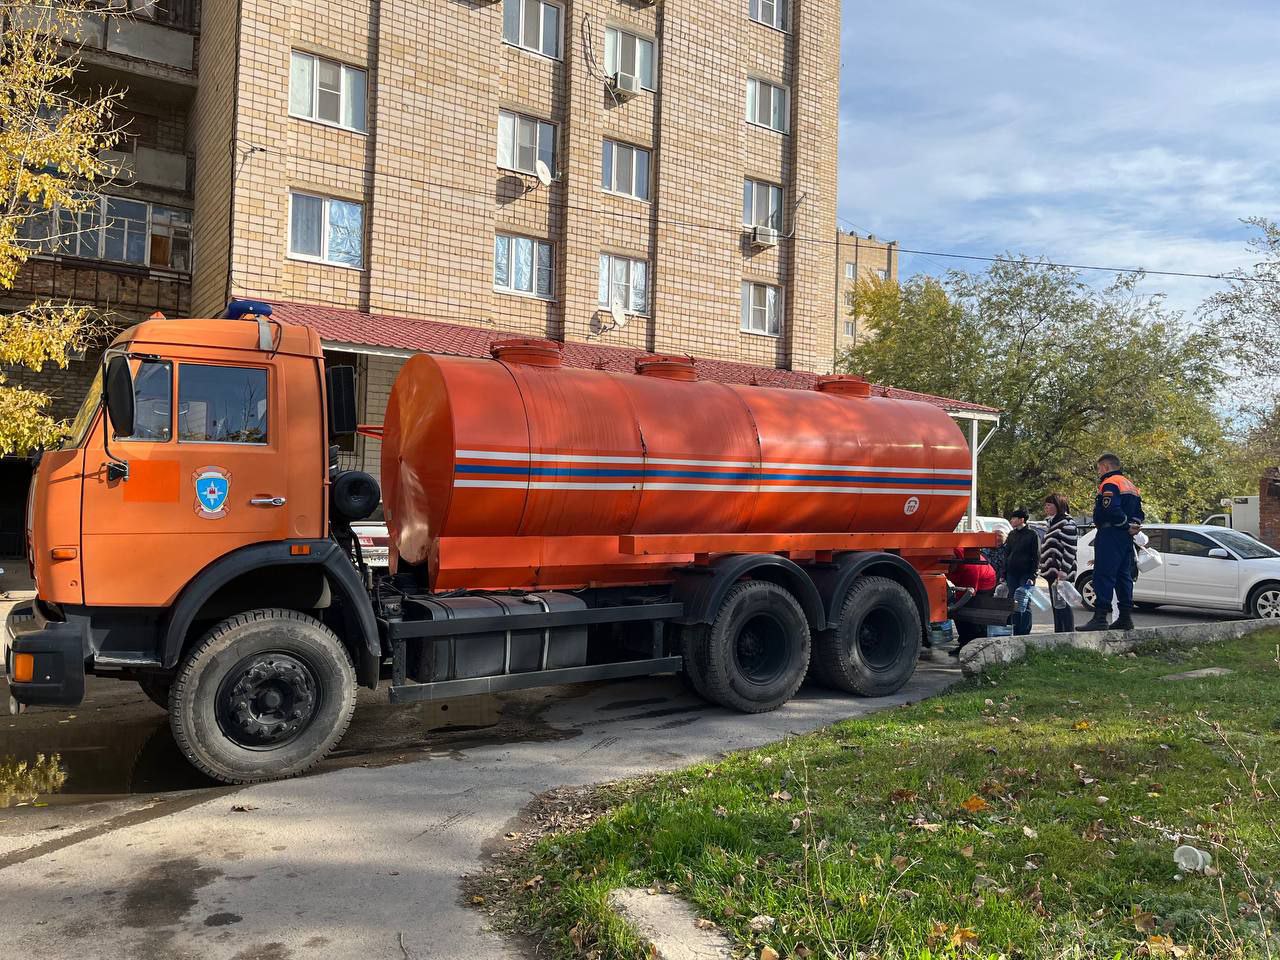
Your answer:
<point x="756" y="653"/>
<point x="156" y="689"/>
<point x="874" y="647"/>
<point x="263" y="695"/>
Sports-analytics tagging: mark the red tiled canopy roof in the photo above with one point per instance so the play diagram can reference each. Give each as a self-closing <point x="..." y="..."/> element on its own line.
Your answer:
<point x="340" y="326"/>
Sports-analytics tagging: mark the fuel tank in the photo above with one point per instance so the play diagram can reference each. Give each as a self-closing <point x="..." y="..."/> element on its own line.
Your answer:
<point x="520" y="447"/>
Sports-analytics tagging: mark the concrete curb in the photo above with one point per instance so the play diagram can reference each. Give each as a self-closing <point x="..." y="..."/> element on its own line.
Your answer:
<point x="669" y="926"/>
<point x="980" y="655"/>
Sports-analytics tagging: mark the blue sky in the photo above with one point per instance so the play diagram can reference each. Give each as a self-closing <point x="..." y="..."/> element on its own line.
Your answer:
<point x="1132" y="133"/>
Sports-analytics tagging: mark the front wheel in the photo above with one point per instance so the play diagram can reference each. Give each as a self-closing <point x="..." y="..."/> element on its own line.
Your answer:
<point x="1088" y="595"/>
<point x="263" y="695"/>
<point x="873" y="649"/>
<point x="1264" y="602"/>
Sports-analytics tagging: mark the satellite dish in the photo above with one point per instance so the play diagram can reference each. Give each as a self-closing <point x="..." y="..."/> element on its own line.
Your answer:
<point x="619" y="314"/>
<point x="543" y="172"/>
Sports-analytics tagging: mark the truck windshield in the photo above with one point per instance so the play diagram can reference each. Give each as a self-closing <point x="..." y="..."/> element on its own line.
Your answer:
<point x="80" y="425"/>
<point x="1245" y="547"/>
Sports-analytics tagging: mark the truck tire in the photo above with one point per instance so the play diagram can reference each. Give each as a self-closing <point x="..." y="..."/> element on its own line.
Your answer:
<point x="874" y="647"/>
<point x="263" y="695"/>
<point x="693" y="650"/>
<point x="157" y="689"/>
<point x="756" y="653"/>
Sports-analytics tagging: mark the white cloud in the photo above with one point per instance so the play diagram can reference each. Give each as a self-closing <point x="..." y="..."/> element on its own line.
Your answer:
<point x="1134" y="134"/>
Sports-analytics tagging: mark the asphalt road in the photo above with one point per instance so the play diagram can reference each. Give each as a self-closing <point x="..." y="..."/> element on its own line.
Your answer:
<point x="133" y="855"/>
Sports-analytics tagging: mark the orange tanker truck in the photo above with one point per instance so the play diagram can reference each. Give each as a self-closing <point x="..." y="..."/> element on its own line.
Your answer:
<point x="548" y="525"/>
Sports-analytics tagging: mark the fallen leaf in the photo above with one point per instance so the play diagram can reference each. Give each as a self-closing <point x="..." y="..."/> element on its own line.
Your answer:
<point x="966" y="852"/>
<point x="575" y="934"/>
<point x="768" y="953"/>
<point x="761" y="922"/>
<point x="477" y="900"/>
<point x="900" y="862"/>
<point x="963" y="936"/>
<point x="902" y="796"/>
<point x="704" y="924"/>
<point x="1029" y="833"/>
<point x="1143" y="921"/>
<point x="795" y="825"/>
<point x="533" y="882"/>
<point x="927" y="827"/>
<point x="975" y="804"/>
<point x="1094" y="832"/>
<point x="722" y="811"/>
<point x="242" y="808"/>
<point x="782" y="796"/>
<point x="1081" y="725"/>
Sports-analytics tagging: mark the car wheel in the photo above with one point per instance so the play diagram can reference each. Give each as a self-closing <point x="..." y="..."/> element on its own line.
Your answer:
<point x="1087" y="594"/>
<point x="1264" y="602"/>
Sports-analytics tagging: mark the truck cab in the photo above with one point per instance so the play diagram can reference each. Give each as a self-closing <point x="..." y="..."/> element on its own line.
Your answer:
<point x="199" y="490"/>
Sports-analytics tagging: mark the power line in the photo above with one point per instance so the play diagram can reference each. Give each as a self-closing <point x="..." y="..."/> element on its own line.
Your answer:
<point x="656" y="220"/>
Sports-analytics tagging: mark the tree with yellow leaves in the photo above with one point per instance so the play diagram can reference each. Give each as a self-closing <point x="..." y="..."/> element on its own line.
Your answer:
<point x="52" y="133"/>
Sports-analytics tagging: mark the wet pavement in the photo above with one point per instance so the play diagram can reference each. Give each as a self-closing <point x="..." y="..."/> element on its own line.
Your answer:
<point x="134" y="857"/>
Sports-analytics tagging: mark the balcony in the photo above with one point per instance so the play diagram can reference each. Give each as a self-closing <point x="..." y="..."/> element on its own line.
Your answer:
<point x="146" y="166"/>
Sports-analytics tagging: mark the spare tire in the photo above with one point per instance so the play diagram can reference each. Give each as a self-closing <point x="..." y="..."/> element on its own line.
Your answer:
<point x="875" y="645"/>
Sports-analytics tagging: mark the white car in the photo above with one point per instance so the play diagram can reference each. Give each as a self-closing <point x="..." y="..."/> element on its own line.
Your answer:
<point x="1204" y="566"/>
<point x="375" y="543"/>
<point x="986" y="525"/>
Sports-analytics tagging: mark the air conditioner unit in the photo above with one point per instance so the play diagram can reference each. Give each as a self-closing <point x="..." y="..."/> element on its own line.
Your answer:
<point x="764" y="237"/>
<point x="625" y="84"/>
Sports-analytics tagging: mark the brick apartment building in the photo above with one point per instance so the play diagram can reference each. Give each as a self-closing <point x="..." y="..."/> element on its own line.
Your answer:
<point x="387" y="159"/>
<point x="859" y="258"/>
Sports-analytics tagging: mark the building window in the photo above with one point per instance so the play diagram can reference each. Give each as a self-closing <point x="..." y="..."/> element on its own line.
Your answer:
<point x="326" y="230"/>
<point x="772" y="13"/>
<point x="848" y="298"/>
<point x="848" y="328"/>
<point x="761" y="309"/>
<point x="522" y="265"/>
<point x="532" y="25"/>
<point x="627" y="53"/>
<point x="882" y="274"/>
<point x="624" y="281"/>
<point x="761" y="205"/>
<point x="523" y="141"/>
<point x="767" y="104"/>
<point x="116" y="229"/>
<point x="625" y="170"/>
<point x="848" y="271"/>
<point x="327" y="92"/>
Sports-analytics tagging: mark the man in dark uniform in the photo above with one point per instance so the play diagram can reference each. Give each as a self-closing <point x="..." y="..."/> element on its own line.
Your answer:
<point x="1117" y="515"/>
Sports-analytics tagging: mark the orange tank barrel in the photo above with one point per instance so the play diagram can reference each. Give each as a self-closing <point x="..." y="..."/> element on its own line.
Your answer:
<point x="518" y="465"/>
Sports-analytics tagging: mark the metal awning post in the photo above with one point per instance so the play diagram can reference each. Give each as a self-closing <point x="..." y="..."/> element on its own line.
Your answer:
<point x="975" y="448"/>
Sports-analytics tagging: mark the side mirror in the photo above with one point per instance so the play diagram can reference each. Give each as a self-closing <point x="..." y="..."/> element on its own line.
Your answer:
<point x="340" y="383"/>
<point x="1217" y="553"/>
<point x="119" y="395"/>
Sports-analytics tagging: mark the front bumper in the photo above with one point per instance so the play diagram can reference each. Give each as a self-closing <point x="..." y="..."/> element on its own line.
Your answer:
<point x="59" y="651"/>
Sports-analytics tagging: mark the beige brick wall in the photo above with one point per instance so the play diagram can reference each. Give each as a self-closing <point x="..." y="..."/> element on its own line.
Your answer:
<point x="426" y="170"/>
<point x="213" y="126"/>
<point x="869" y="259"/>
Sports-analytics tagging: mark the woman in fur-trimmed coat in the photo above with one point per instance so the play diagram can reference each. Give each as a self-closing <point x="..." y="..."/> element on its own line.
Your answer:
<point x="1058" y="557"/>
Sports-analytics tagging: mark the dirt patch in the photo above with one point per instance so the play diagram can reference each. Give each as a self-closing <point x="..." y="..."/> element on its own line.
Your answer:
<point x="493" y="889"/>
<point x="163" y="895"/>
<point x="264" y="951"/>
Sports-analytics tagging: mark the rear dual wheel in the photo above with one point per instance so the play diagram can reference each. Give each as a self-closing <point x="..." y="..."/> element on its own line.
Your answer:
<point x="874" y="647"/>
<point x="754" y="655"/>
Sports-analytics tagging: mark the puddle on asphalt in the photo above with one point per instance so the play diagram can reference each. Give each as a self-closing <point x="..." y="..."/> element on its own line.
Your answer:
<point x="53" y="761"/>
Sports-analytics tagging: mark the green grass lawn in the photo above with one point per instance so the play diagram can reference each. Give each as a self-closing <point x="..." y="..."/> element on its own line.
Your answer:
<point x="1033" y="812"/>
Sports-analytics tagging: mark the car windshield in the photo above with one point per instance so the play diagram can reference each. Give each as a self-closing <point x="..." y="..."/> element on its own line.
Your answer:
<point x="1245" y="547"/>
<point x="80" y="425"/>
